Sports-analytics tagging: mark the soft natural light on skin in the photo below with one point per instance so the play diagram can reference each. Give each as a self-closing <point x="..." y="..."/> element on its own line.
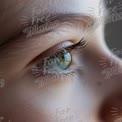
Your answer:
<point x="54" y="66"/>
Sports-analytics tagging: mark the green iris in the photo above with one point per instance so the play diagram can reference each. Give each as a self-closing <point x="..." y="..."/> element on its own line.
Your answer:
<point x="64" y="59"/>
<point x="58" y="62"/>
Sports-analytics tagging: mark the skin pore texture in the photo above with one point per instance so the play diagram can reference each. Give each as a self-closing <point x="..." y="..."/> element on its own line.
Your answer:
<point x="88" y="97"/>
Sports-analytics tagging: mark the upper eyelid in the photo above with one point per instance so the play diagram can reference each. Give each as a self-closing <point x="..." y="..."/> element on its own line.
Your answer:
<point x="80" y="44"/>
<point x="24" y="47"/>
<point x="74" y="47"/>
<point x="74" y="19"/>
<point x="34" y="43"/>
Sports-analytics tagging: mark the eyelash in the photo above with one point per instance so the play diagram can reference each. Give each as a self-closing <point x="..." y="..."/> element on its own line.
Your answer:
<point x="71" y="73"/>
<point x="77" y="47"/>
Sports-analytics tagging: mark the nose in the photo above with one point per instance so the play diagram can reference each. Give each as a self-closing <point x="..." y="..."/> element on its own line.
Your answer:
<point x="105" y="67"/>
<point x="111" y="109"/>
<point x="109" y="69"/>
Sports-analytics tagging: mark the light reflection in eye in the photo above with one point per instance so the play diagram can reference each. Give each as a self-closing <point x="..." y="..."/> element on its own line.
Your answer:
<point x="64" y="59"/>
<point x="60" y="62"/>
<point x="56" y="63"/>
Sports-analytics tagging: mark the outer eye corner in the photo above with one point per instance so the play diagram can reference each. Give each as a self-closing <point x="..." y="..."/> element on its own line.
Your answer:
<point x="59" y="62"/>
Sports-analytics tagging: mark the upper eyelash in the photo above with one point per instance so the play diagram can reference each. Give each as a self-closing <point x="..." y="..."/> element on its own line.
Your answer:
<point x="81" y="44"/>
<point x="72" y="73"/>
<point x="75" y="47"/>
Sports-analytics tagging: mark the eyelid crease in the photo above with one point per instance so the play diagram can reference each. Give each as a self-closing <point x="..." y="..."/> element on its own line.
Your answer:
<point x="36" y="69"/>
<point x="75" y="47"/>
<point x="78" y="20"/>
<point x="78" y="46"/>
<point x="72" y="49"/>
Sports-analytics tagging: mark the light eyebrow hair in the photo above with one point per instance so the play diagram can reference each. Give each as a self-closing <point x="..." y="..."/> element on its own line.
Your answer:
<point x="31" y="47"/>
<point x="56" y="21"/>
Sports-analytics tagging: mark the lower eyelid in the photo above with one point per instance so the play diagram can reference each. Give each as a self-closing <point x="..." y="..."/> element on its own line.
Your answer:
<point x="38" y="70"/>
<point x="49" y="79"/>
<point x="71" y="74"/>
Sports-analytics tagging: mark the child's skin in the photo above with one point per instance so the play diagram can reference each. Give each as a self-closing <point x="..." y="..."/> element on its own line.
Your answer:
<point x="88" y="98"/>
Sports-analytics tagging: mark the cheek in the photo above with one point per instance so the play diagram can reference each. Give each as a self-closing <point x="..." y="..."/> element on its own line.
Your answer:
<point x="18" y="103"/>
<point x="22" y="100"/>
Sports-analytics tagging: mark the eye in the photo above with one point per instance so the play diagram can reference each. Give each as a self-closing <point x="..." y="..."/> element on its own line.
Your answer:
<point x="58" y="63"/>
<point x="54" y="64"/>
<point x="63" y="59"/>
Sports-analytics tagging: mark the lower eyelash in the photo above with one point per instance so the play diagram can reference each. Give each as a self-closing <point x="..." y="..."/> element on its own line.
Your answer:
<point x="46" y="80"/>
<point x="72" y="73"/>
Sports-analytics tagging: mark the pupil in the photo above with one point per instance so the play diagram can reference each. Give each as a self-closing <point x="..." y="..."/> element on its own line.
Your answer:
<point x="62" y="57"/>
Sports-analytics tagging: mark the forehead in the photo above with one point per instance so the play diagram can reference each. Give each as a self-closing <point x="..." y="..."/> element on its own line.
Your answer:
<point x="58" y="5"/>
<point x="11" y="12"/>
<point x="68" y="6"/>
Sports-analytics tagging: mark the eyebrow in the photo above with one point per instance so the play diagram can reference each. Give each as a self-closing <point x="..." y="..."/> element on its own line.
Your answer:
<point x="21" y="43"/>
<point x="51" y="22"/>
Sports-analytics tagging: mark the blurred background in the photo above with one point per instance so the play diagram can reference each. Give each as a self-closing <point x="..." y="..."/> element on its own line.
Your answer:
<point x="113" y="28"/>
